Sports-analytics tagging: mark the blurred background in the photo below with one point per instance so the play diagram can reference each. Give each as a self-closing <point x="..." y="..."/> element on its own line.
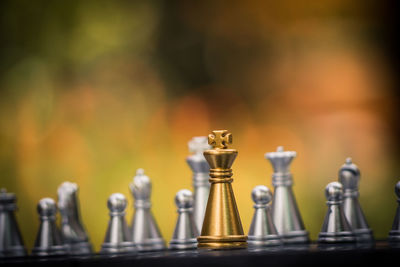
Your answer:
<point x="93" y="90"/>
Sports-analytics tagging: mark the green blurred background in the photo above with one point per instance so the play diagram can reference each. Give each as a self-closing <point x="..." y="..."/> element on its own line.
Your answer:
<point x="93" y="90"/>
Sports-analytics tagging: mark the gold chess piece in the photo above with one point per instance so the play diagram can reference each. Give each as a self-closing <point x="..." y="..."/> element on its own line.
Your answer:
<point x="222" y="228"/>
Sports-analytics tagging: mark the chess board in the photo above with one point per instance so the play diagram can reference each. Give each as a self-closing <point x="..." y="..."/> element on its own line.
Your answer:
<point x="306" y="255"/>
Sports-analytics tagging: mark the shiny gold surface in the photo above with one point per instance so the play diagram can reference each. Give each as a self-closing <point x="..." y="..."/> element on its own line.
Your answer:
<point x="222" y="228"/>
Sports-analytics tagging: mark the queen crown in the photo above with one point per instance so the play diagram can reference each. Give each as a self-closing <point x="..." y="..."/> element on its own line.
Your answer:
<point x="281" y="159"/>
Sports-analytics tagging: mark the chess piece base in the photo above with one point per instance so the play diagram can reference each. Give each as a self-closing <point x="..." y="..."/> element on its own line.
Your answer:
<point x="271" y="240"/>
<point x="177" y="244"/>
<point x="225" y="242"/>
<point x="151" y="245"/>
<point x="52" y="251"/>
<point x="123" y="248"/>
<point x="339" y="237"/>
<point x="296" y="237"/>
<point x="364" y="235"/>
<point x="394" y="236"/>
<point x="17" y="251"/>
<point x="81" y="248"/>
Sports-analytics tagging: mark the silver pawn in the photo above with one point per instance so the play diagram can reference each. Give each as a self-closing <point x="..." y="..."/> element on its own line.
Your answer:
<point x="262" y="229"/>
<point x="200" y="169"/>
<point x="117" y="239"/>
<point x="11" y="243"/>
<point x="285" y="213"/>
<point x="144" y="230"/>
<point x="48" y="240"/>
<point x="72" y="230"/>
<point x="185" y="233"/>
<point x="349" y="177"/>
<point x="394" y="234"/>
<point x="336" y="228"/>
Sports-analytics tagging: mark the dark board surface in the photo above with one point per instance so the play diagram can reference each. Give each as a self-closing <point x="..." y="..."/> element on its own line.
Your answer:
<point x="379" y="253"/>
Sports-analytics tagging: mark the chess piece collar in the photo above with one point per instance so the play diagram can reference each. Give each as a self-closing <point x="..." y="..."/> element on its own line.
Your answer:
<point x="281" y="161"/>
<point x="7" y="200"/>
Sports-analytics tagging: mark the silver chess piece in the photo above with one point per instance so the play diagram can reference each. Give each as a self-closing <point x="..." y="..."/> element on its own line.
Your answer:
<point x="349" y="177"/>
<point x="144" y="230"/>
<point x="200" y="168"/>
<point x="262" y="229"/>
<point x="336" y="228"/>
<point x="117" y="239"/>
<point x="48" y="240"/>
<point x="11" y="243"/>
<point x="185" y="233"/>
<point x="72" y="230"/>
<point x="285" y="213"/>
<point x="394" y="234"/>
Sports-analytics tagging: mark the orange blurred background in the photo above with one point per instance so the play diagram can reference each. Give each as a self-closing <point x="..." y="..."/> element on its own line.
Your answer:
<point x="93" y="90"/>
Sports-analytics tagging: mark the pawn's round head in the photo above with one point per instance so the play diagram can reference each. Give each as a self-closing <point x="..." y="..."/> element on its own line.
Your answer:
<point x="47" y="207"/>
<point x="397" y="189"/>
<point x="141" y="185"/>
<point x="184" y="199"/>
<point x="334" y="191"/>
<point x="116" y="202"/>
<point x="349" y="175"/>
<point x="261" y="194"/>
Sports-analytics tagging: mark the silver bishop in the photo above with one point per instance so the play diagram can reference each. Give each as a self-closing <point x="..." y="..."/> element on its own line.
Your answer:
<point x="200" y="168"/>
<point x="144" y="229"/>
<point x="349" y="177"/>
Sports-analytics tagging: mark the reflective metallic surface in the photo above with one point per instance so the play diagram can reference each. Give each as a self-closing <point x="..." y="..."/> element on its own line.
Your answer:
<point x="394" y="234"/>
<point x="185" y="232"/>
<point x="117" y="239"/>
<point x="262" y="230"/>
<point x="144" y="230"/>
<point x="336" y="228"/>
<point x="48" y="240"/>
<point x="349" y="176"/>
<point x="285" y="213"/>
<point x="200" y="168"/>
<point x="72" y="230"/>
<point x="11" y="243"/>
<point x="222" y="228"/>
